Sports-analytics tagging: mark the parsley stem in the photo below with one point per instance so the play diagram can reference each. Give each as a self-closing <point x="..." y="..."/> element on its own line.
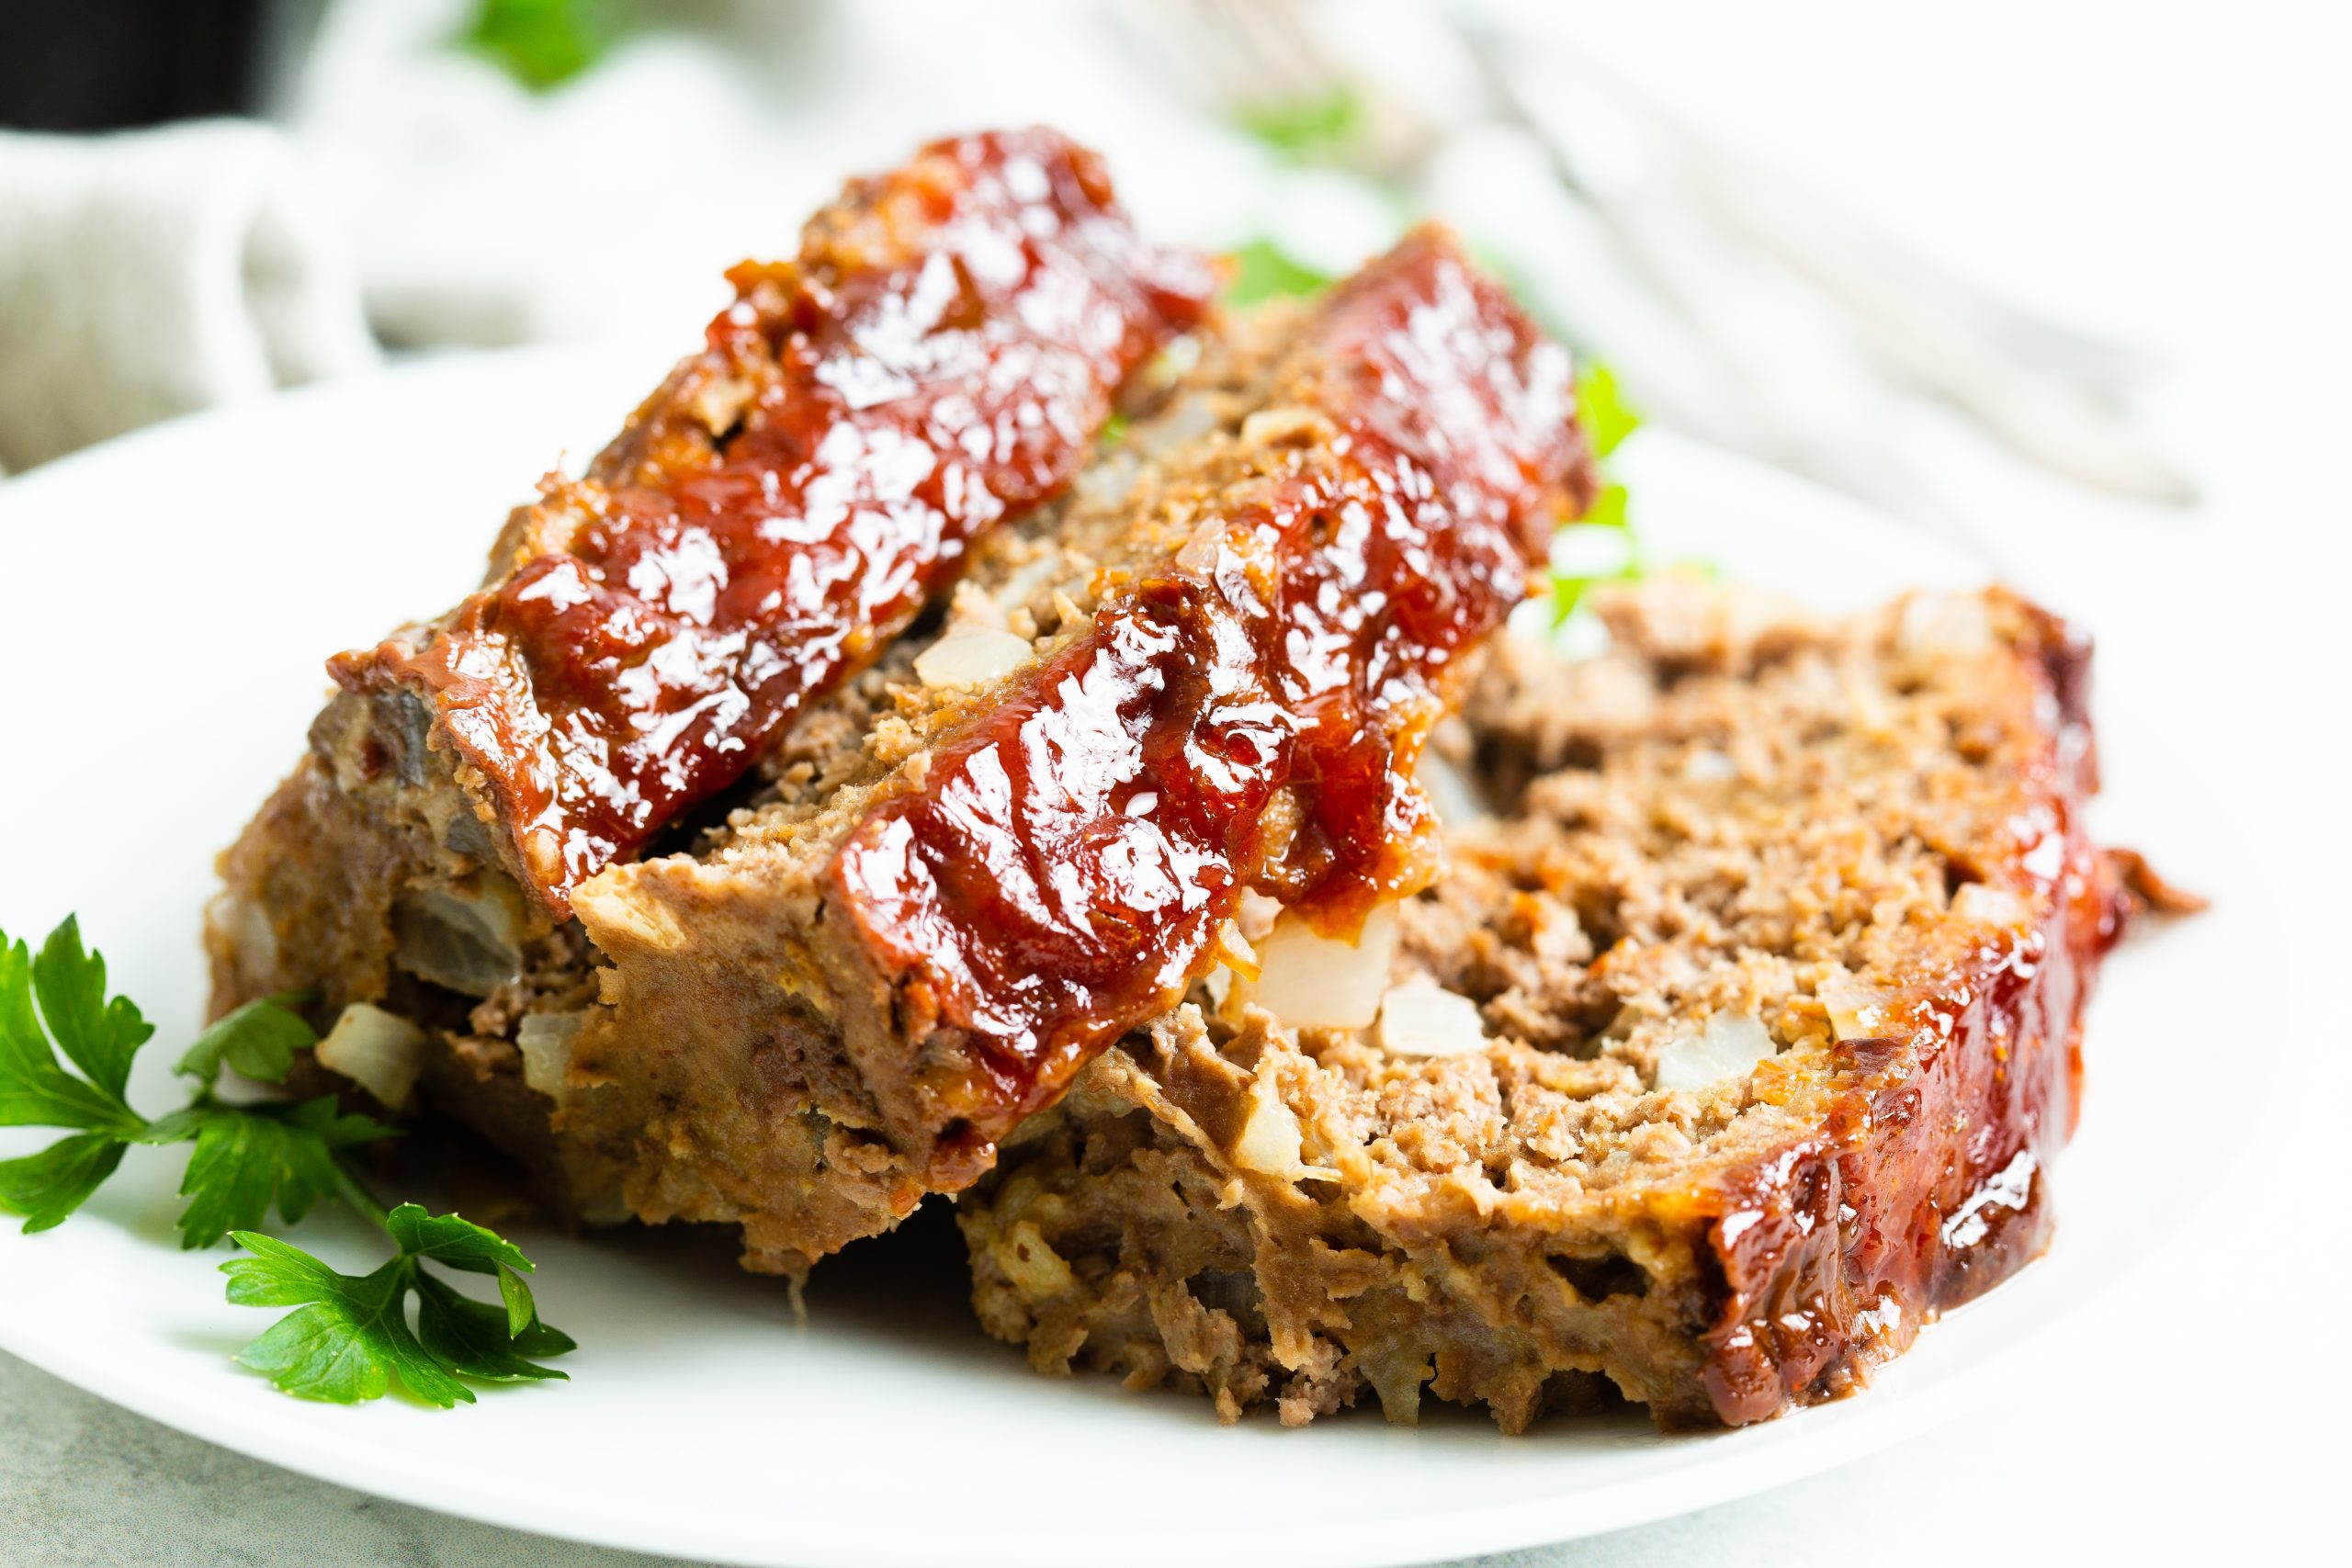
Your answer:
<point x="363" y="1202"/>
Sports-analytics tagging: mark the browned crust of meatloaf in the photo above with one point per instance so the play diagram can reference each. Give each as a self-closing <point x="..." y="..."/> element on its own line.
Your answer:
<point x="1865" y="836"/>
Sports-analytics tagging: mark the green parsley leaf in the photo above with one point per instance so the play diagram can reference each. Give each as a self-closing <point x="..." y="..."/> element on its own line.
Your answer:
<point x="240" y="1163"/>
<point x="478" y="1340"/>
<point x="1606" y="527"/>
<point x="542" y="43"/>
<point x="1306" y="128"/>
<point x="348" y="1338"/>
<point x="351" y="1337"/>
<point x="1261" y="272"/>
<point x="248" y="1158"/>
<point x="1607" y="418"/>
<point x="1568" y="591"/>
<point x="461" y="1243"/>
<point x="47" y="1187"/>
<point x="446" y="1238"/>
<point x="97" y="1036"/>
<point x="1115" y="429"/>
<point x="1607" y="421"/>
<point x="257" y="1041"/>
<point x="1607" y="511"/>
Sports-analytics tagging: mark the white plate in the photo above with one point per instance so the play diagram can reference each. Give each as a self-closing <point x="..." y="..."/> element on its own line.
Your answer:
<point x="167" y="601"/>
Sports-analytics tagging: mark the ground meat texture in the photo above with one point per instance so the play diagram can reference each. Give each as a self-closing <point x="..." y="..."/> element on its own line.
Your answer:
<point x="1855" y="846"/>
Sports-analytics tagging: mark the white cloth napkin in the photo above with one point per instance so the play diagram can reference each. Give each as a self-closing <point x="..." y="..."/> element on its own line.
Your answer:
<point x="154" y="273"/>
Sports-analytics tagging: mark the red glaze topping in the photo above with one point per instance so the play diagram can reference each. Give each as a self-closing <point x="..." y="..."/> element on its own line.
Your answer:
<point x="1067" y="865"/>
<point x="1928" y="1187"/>
<point x="939" y="359"/>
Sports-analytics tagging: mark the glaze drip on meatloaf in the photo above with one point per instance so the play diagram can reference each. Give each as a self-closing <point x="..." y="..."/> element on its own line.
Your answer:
<point x="1737" y="1040"/>
<point x="1065" y="864"/>
<point x="937" y="359"/>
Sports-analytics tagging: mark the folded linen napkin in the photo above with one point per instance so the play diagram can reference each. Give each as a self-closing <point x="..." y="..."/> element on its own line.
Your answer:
<point x="154" y="273"/>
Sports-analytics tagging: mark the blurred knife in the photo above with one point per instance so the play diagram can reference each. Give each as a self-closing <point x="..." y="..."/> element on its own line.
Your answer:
<point x="2051" y="403"/>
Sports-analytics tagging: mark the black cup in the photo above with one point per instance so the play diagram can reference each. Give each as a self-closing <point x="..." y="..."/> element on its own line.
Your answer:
<point x="114" y="65"/>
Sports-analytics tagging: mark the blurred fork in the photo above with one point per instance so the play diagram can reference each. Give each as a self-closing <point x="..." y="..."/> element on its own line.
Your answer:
<point x="1255" y="63"/>
<point x="1729" y="248"/>
<point x="1957" y="343"/>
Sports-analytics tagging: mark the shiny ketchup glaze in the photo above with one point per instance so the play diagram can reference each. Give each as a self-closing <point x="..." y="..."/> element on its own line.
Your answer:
<point x="939" y="358"/>
<point x="1928" y="1187"/>
<point x="1248" y="714"/>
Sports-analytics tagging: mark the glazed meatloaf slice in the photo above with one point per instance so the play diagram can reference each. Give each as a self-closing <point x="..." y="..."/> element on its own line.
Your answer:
<point x="936" y="360"/>
<point x="936" y="363"/>
<point x="1217" y="681"/>
<point x="438" y="978"/>
<point x="935" y="366"/>
<point x="1736" y="1043"/>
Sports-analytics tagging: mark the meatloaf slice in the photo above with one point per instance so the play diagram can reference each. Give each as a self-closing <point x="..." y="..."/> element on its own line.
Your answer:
<point x="936" y="364"/>
<point x="1735" y="1044"/>
<point x="936" y="361"/>
<point x="445" y="968"/>
<point x="499" y="1064"/>
<point x="844" y="1003"/>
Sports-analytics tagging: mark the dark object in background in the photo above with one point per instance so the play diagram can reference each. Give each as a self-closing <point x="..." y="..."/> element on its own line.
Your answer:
<point x="117" y="65"/>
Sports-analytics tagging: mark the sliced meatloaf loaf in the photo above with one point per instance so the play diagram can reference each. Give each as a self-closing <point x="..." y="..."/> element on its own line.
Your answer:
<point x="1736" y="1043"/>
<point x="1209" y="668"/>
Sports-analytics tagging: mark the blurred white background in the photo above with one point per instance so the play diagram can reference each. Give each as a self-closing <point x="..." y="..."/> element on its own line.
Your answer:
<point x="2166" y="178"/>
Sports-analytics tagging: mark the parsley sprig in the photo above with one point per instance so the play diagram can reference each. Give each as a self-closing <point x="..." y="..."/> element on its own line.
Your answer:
<point x="1607" y="417"/>
<point x="1607" y="420"/>
<point x="1262" y="271"/>
<point x="1306" y="129"/>
<point x="542" y="43"/>
<point x="349" y="1337"/>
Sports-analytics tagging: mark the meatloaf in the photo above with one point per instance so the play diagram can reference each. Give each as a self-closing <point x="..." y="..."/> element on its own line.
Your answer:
<point x="938" y="358"/>
<point x="846" y="999"/>
<point x="1736" y="1044"/>
<point x="937" y="365"/>
<point x="1208" y="670"/>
